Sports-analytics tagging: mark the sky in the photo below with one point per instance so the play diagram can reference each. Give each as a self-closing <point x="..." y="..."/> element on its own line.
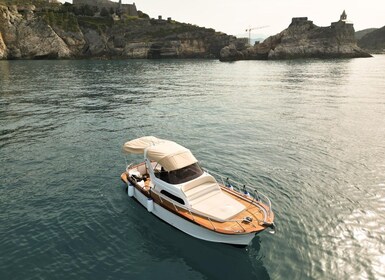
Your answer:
<point x="268" y="17"/>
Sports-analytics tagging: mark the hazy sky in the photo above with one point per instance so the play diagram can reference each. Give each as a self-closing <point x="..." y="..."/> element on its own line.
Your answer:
<point x="233" y="17"/>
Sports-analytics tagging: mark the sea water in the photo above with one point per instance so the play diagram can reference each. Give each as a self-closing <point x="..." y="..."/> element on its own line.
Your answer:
<point x="310" y="134"/>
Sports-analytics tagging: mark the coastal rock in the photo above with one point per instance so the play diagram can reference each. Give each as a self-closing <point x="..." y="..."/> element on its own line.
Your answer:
<point x="74" y="39"/>
<point x="361" y="33"/>
<point x="37" y="40"/>
<point x="29" y="37"/>
<point x="230" y="53"/>
<point x="3" y="48"/>
<point x="96" y="42"/>
<point x="34" y="32"/>
<point x="374" y="42"/>
<point x="136" y="50"/>
<point x="303" y="39"/>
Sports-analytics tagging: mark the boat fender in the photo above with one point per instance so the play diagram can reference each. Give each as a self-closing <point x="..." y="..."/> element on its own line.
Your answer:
<point x="271" y="226"/>
<point x="130" y="190"/>
<point x="245" y="191"/>
<point x="150" y="205"/>
<point x="229" y="185"/>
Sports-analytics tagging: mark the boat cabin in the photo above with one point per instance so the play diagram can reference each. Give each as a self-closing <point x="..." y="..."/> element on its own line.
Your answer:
<point x="172" y="170"/>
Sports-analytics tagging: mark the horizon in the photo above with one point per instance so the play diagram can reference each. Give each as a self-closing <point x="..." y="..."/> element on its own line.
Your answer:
<point x="235" y="18"/>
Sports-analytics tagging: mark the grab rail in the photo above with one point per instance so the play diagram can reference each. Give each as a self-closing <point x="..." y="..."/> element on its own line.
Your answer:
<point x="192" y="212"/>
<point x="163" y="197"/>
<point x="258" y="197"/>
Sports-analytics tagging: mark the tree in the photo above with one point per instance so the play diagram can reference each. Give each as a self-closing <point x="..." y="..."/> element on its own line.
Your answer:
<point x="86" y="10"/>
<point x="104" y="12"/>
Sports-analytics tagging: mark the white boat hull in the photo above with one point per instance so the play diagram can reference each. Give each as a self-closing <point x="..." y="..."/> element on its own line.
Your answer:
<point x="191" y="228"/>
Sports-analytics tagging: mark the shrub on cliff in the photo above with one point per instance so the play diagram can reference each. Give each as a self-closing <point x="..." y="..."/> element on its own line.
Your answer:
<point x="66" y="21"/>
<point x="104" y="12"/>
<point x="143" y="15"/>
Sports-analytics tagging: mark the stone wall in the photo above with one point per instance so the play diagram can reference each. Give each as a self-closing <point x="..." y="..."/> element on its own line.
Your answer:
<point x="129" y="9"/>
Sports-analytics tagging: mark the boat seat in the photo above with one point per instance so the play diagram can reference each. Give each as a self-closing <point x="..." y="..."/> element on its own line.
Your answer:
<point x="199" y="188"/>
<point x="220" y="207"/>
<point x="206" y="197"/>
<point x="142" y="169"/>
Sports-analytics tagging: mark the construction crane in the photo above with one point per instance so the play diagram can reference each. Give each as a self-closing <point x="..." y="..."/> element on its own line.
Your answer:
<point x="254" y="28"/>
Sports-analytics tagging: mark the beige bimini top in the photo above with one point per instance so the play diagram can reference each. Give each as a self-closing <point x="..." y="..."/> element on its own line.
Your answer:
<point x="168" y="154"/>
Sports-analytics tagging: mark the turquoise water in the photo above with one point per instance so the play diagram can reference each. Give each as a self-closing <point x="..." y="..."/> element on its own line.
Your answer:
<point x="309" y="133"/>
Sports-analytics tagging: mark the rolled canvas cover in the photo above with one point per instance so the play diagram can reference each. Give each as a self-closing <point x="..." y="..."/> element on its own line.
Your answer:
<point x="171" y="155"/>
<point x="137" y="146"/>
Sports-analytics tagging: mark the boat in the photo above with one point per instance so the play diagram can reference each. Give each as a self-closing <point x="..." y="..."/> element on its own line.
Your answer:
<point x="170" y="183"/>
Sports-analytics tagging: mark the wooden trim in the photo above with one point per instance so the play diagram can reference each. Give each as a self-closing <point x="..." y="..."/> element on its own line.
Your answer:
<point x="237" y="225"/>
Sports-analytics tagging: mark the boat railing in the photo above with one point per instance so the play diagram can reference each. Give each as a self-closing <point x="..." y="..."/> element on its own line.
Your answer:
<point x="163" y="198"/>
<point x="242" y="188"/>
<point x="236" y="186"/>
<point x="192" y="212"/>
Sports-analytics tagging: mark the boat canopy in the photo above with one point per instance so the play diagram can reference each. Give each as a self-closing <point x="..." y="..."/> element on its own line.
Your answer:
<point x="170" y="155"/>
<point x="137" y="146"/>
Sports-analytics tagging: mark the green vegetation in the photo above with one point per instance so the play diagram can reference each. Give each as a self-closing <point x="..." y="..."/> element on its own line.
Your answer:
<point x="143" y="15"/>
<point x="104" y="12"/>
<point x="99" y="23"/>
<point x="37" y="3"/>
<point x="66" y="21"/>
<point x="125" y="18"/>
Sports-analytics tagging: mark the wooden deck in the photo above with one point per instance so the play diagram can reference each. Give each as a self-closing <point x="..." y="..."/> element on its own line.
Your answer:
<point x="237" y="225"/>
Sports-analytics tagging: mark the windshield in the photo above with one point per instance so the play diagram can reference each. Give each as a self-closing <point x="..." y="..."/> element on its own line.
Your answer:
<point x="182" y="175"/>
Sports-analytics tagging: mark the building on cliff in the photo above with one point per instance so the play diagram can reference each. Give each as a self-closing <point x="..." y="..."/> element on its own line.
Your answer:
<point x="302" y="39"/>
<point x="343" y="22"/>
<point x="300" y="20"/>
<point x="128" y="9"/>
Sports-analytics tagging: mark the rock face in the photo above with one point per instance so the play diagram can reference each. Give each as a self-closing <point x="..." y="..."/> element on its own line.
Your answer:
<point x="3" y="48"/>
<point x="37" y="34"/>
<point x="26" y="37"/>
<point x="374" y="42"/>
<point x="302" y="39"/>
<point x="359" y="34"/>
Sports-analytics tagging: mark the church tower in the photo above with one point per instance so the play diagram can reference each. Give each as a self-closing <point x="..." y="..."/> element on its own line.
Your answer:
<point x="343" y="16"/>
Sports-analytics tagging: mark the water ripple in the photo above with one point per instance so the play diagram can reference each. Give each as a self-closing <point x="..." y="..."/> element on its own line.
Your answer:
<point x="307" y="133"/>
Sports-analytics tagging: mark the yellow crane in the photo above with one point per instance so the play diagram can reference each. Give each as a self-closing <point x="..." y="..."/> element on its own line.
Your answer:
<point x="254" y="28"/>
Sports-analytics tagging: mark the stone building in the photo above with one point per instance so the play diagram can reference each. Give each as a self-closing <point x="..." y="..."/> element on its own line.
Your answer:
<point x="343" y="22"/>
<point x="128" y="9"/>
<point x="299" y="20"/>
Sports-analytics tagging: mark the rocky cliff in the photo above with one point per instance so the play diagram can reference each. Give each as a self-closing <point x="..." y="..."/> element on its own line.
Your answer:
<point x="302" y="39"/>
<point x="361" y="33"/>
<point x="23" y="36"/>
<point x="374" y="41"/>
<point x="32" y="33"/>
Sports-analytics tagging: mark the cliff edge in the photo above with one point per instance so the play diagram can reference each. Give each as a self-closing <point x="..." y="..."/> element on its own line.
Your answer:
<point x="373" y="42"/>
<point x="302" y="39"/>
<point x="68" y="31"/>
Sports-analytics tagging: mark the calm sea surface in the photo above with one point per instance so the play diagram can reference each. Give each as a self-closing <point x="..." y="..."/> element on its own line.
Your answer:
<point x="309" y="133"/>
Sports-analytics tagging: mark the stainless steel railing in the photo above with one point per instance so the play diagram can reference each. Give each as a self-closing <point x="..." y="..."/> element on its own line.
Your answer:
<point x="254" y="197"/>
<point x="242" y="188"/>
